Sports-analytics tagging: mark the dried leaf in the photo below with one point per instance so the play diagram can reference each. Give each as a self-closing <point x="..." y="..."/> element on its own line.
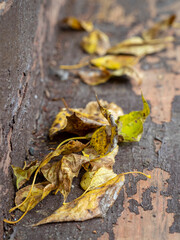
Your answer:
<point x="97" y="162"/>
<point x="94" y="78"/>
<point x="23" y="175"/>
<point x="158" y="28"/>
<point x="69" y="168"/>
<point x="73" y="123"/>
<point x="78" y="24"/>
<point x="39" y="192"/>
<point x="114" y="62"/>
<point x="82" y="121"/>
<point x="130" y="126"/>
<point x="139" y="47"/>
<point x="50" y="171"/>
<point x="94" y="203"/>
<point x="96" y="42"/>
<point x="91" y="180"/>
<point x="105" y="139"/>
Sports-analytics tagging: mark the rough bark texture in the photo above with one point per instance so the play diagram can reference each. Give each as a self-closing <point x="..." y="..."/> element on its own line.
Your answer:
<point x="144" y="209"/>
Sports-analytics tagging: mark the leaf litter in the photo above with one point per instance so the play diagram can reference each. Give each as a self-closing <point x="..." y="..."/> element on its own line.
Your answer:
<point x="97" y="156"/>
<point x="102" y="125"/>
<point x="121" y="59"/>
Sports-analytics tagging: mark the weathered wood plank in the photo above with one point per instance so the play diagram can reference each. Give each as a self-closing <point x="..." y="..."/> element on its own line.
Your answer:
<point x="144" y="209"/>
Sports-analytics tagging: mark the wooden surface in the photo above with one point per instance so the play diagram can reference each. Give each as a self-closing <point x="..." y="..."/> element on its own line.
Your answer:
<point x="145" y="209"/>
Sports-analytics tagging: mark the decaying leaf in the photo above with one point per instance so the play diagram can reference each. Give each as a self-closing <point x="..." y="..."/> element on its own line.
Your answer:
<point x="39" y="192"/>
<point x="94" y="78"/>
<point x="78" y="24"/>
<point x="69" y="168"/>
<point x="97" y="162"/>
<point x="130" y="126"/>
<point x="92" y="180"/>
<point x="23" y="175"/>
<point x="105" y="139"/>
<point x="75" y="123"/>
<point x="99" y="77"/>
<point x="96" y="42"/>
<point x="93" y="204"/>
<point x="159" y="27"/>
<point x="139" y="47"/>
<point x="114" y="62"/>
<point x="82" y="121"/>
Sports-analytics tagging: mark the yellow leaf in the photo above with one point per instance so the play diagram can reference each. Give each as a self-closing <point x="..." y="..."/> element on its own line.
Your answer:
<point x="39" y="192"/>
<point x="94" y="78"/>
<point x="139" y="47"/>
<point x="158" y="28"/>
<point x="94" y="203"/>
<point x="105" y="139"/>
<point x="96" y="42"/>
<point x="91" y="180"/>
<point x="114" y="62"/>
<point x="78" y="24"/>
<point x="97" y="162"/>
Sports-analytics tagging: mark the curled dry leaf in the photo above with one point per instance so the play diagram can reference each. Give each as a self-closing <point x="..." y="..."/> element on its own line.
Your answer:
<point x="78" y="24"/>
<point x="23" y="175"/>
<point x="75" y="123"/>
<point x="82" y="121"/>
<point x="114" y="62"/>
<point x="139" y="47"/>
<point x="91" y="180"/>
<point x="99" y="77"/>
<point x="94" y="78"/>
<point x="130" y="126"/>
<point x="158" y="28"/>
<point x="69" y="168"/>
<point x="97" y="162"/>
<point x="105" y="139"/>
<point x="96" y="42"/>
<point x="39" y="192"/>
<point x="93" y="204"/>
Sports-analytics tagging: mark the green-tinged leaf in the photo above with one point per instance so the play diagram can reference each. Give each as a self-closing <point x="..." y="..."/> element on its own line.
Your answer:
<point x="93" y="204"/>
<point x="130" y="126"/>
<point x="95" y="42"/>
<point x="91" y="180"/>
<point x="78" y="24"/>
<point x="23" y="175"/>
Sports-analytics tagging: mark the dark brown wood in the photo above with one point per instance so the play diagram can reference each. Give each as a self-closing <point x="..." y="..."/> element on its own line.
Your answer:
<point x="145" y="209"/>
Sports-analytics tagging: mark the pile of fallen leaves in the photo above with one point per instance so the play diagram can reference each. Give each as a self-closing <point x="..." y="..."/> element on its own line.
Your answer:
<point x="118" y="60"/>
<point x="102" y="126"/>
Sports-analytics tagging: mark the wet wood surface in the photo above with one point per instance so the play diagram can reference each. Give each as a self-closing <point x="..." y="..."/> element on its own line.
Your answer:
<point x="145" y="209"/>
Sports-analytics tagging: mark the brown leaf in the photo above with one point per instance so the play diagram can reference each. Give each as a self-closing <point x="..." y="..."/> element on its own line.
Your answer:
<point x="158" y="28"/>
<point x="96" y="42"/>
<point x="69" y="168"/>
<point x="82" y="121"/>
<point x="93" y="204"/>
